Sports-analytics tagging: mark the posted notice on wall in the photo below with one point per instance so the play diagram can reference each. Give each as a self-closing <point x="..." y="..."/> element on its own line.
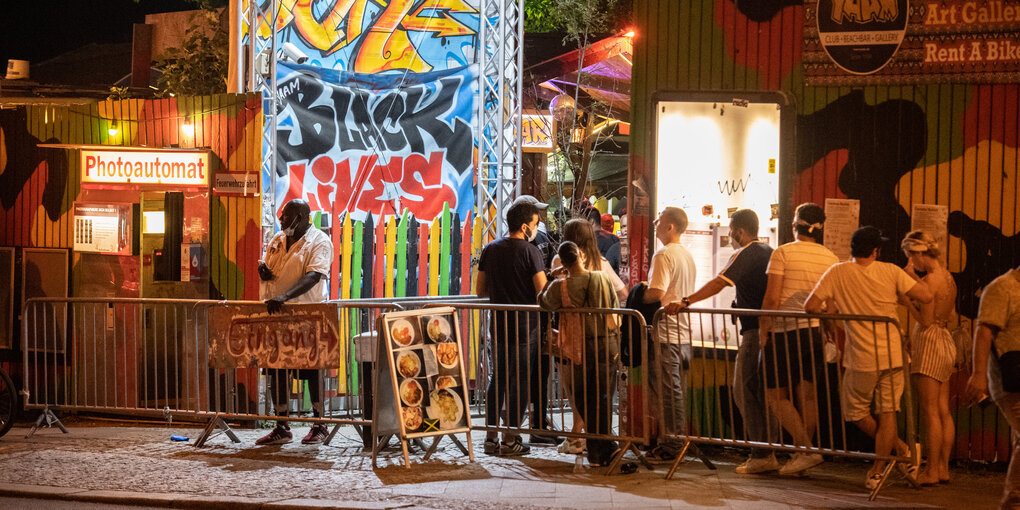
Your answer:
<point x="842" y="219"/>
<point x="933" y="220"/>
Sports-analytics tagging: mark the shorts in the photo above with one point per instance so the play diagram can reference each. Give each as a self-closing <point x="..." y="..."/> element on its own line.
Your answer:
<point x="933" y="352"/>
<point x="862" y="389"/>
<point x="793" y="356"/>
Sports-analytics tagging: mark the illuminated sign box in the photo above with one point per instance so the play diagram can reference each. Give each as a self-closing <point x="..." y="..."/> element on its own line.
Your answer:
<point x="145" y="167"/>
<point x="536" y="132"/>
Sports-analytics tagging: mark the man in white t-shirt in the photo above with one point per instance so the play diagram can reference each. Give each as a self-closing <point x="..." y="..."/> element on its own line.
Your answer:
<point x="295" y="269"/>
<point x="873" y="356"/>
<point x="671" y="279"/>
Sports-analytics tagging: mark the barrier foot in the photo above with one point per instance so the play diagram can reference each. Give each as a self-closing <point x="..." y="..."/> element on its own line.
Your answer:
<point x="432" y="448"/>
<point x="885" y="476"/>
<point x="331" y="434"/>
<point x="689" y="445"/>
<point x="641" y="458"/>
<point x="679" y="460"/>
<point x="216" y="427"/>
<point x="50" y="419"/>
<point x="701" y="456"/>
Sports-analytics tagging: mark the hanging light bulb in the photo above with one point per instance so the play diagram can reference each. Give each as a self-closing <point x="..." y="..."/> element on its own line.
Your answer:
<point x="113" y="129"/>
<point x="188" y="128"/>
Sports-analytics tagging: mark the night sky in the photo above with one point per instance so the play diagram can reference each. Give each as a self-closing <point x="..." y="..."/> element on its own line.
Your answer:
<point x="38" y="30"/>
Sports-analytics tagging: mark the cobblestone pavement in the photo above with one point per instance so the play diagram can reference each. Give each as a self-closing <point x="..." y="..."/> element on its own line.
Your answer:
<point x="143" y="460"/>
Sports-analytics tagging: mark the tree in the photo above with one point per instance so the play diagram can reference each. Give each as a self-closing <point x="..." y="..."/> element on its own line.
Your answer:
<point x="199" y="66"/>
<point x="579" y="127"/>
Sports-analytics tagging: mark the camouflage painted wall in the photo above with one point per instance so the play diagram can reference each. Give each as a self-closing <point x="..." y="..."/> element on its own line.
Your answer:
<point x="887" y="146"/>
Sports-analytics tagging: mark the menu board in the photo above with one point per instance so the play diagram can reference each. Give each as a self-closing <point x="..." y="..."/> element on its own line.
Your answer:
<point x="424" y="352"/>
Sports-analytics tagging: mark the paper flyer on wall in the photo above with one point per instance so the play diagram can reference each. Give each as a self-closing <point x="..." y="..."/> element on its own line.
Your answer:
<point x="932" y="219"/>
<point x="842" y="218"/>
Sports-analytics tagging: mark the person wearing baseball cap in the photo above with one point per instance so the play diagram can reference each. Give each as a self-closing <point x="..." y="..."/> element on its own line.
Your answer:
<point x="873" y="353"/>
<point x="528" y="199"/>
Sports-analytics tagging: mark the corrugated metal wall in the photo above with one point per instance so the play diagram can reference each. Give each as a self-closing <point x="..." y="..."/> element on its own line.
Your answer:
<point x="38" y="186"/>
<point x="887" y="146"/>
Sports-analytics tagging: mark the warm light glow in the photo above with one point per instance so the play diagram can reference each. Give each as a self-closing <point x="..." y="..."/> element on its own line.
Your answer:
<point x="153" y="222"/>
<point x="188" y="129"/>
<point x="113" y="129"/>
<point x="713" y="154"/>
<point x="629" y="34"/>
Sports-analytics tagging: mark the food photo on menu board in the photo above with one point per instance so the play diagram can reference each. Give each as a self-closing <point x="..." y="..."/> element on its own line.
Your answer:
<point x="427" y="363"/>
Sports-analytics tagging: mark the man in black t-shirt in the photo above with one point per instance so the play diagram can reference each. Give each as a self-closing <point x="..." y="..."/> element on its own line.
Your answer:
<point x="745" y="271"/>
<point x="511" y="271"/>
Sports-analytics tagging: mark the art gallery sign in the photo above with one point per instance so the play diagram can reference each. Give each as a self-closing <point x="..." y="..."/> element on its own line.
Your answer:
<point x="912" y="41"/>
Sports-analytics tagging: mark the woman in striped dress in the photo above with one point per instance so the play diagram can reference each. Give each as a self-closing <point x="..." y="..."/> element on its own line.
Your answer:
<point x="933" y="353"/>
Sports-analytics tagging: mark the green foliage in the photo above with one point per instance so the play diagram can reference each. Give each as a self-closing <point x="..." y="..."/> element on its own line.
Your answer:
<point x="119" y="92"/>
<point x="199" y="66"/>
<point x="584" y="18"/>
<point x="540" y="17"/>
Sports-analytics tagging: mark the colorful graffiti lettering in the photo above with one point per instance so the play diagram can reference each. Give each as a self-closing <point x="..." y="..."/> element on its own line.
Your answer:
<point x="366" y="144"/>
<point x="369" y="36"/>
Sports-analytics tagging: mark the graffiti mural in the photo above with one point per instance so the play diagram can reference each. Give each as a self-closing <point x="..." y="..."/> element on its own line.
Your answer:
<point x="376" y="144"/>
<point x="368" y="36"/>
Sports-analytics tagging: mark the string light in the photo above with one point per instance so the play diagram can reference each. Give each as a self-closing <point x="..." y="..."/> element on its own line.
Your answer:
<point x="188" y="128"/>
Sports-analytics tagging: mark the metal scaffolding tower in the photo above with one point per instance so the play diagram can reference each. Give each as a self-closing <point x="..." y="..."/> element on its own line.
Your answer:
<point x="501" y="60"/>
<point x="261" y="59"/>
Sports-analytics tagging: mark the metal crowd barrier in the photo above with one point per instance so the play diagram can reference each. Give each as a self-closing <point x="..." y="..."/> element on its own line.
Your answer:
<point x="726" y="390"/>
<point x="151" y="357"/>
<point x="518" y="386"/>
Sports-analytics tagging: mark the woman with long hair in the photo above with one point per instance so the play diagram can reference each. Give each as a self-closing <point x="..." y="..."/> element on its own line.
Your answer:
<point x="580" y="232"/>
<point x="793" y="354"/>
<point x="933" y="352"/>
<point x="588" y="379"/>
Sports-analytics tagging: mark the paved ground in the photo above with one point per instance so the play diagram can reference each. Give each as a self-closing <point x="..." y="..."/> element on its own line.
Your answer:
<point x="139" y="465"/>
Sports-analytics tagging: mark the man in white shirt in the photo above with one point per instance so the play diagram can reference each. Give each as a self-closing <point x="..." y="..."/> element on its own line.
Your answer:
<point x="873" y="356"/>
<point x="295" y="269"/>
<point x="671" y="279"/>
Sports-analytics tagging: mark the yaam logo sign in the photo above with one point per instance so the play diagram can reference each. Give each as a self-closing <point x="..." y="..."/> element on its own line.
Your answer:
<point x="861" y="36"/>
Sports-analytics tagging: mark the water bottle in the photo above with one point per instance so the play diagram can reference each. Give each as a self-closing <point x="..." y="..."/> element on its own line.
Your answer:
<point x="579" y="464"/>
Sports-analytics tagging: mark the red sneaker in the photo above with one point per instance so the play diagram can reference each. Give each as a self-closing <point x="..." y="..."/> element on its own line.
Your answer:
<point x="316" y="435"/>
<point x="279" y="435"/>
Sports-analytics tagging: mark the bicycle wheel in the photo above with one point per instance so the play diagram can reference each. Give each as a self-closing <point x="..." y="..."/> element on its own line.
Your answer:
<point x="8" y="402"/>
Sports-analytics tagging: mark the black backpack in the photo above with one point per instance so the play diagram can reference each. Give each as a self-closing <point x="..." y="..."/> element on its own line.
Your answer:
<point x="629" y="328"/>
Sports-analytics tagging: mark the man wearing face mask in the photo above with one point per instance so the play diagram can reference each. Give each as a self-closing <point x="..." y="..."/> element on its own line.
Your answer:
<point x="746" y="271"/>
<point x="511" y="271"/>
<point x="295" y="269"/>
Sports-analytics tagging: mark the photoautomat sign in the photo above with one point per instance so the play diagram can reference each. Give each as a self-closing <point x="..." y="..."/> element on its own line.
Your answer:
<point x="145" y="167"/>
<point x="861" y="37"/>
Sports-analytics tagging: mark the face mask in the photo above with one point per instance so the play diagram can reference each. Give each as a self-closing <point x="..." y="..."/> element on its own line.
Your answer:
<point x="289" y="231"/>
<point x="533" y="234"/>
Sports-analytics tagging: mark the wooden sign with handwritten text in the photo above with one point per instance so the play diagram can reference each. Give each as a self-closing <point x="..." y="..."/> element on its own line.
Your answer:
<point x="305" y="336"/>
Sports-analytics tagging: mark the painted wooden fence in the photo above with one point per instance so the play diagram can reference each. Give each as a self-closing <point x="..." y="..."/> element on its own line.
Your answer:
<point x="397" y="257"/>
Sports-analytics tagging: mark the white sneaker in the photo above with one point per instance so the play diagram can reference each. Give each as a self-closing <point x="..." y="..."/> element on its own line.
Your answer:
<point x="571" y="446"/>
<point x="800" y="462"/>
<point x="760" y="465"/>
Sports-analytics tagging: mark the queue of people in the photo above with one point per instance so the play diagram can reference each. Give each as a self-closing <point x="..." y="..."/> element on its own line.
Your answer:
<point x="778" y="360"/>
